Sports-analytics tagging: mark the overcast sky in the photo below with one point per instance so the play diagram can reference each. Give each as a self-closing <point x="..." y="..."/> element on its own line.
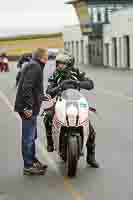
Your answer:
<point x="34" y="16"/>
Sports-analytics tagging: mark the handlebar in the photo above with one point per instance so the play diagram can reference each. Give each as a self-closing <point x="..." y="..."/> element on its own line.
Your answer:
<point x="67" y="82"/>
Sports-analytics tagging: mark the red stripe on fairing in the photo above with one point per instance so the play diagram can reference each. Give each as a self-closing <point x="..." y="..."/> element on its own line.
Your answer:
<point x="85" y="122"/>
<point x="57" y="123"/>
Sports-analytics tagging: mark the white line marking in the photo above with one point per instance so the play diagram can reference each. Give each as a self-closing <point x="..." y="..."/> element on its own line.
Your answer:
<point x="47" y="157"/>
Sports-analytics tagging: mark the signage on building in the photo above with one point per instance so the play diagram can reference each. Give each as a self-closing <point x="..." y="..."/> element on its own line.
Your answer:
<point x="107" y="2"/>
<point x="84" y="16"/>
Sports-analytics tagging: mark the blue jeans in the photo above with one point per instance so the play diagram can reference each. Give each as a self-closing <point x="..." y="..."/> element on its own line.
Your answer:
<point x="29" y="135"/>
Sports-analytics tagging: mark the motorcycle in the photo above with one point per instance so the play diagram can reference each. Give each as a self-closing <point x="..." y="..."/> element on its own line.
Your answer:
<point x="69" y="125"/>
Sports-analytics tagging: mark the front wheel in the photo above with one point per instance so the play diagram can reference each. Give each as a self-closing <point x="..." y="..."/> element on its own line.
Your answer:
<point x="72" y="157"/>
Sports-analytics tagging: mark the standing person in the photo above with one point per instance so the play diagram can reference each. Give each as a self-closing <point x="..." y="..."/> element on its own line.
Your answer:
<point x="4" y="63"/>
<point x="24" y="59"/>
<point x="1" y="66"/>
<point x="28" y="101"/>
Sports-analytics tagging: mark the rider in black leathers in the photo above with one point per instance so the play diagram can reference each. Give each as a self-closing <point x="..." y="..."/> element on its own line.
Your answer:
<point x="64" y="73"/>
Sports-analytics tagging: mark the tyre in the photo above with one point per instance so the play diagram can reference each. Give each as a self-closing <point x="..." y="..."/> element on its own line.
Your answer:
<point x="72" y="157"/>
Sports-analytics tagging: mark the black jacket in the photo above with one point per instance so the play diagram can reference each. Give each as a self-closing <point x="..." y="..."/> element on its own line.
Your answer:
<point x="30" y="89"/>
<point x="24" y="58"/>
<point x="69" y="73"/>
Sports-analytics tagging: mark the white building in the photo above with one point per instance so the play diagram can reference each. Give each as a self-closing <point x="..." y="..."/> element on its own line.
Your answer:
<point x="76" y="43"/>
<point x="85" y="51"/>
<point x="118" y="40"/>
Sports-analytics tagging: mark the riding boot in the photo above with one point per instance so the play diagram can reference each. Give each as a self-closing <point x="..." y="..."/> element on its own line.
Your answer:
<point x="91" y="148"/>
<point x="48" y="127"/>
<point x="91" y="157"/>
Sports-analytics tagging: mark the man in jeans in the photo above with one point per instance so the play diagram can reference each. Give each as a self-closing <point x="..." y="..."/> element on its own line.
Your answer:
<point x="28" y="101"/>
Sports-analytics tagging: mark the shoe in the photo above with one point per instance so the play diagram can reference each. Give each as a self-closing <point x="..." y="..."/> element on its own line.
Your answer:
<point x="31" y="171"/>
<point x="38" y="164"/>
<point x="93" y="163"/>
<point x="90" y="159"/>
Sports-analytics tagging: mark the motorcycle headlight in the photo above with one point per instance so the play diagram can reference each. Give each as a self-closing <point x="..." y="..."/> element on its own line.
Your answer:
<point x="72" y="115"/>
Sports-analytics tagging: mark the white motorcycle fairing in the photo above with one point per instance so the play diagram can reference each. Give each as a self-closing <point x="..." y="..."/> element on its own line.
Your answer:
<point x="71" y="110"/>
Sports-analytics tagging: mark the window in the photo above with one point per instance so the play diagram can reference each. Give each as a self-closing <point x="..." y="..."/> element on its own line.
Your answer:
<point x="93" y="50"/>
<point x="107" y="53"/>
<point x="90" y="53"/>
<point x="73" y="48"/>
<point x="98" y="48"/>
<point x="127" y="50"/>
<point x="114" y="51"/>
<point x="69" y="46"/>
<point x="120" y="51"/>
<point x="82" y="51"/>
<point x="77" y="51"/>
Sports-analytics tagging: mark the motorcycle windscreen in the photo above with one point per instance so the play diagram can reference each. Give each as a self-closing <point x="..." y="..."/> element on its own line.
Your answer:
<point x="75" y="100"/>
<point x="71" y="95"/>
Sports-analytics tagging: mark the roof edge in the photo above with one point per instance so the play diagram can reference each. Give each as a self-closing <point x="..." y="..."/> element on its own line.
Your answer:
<point x="26" y="37"/>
